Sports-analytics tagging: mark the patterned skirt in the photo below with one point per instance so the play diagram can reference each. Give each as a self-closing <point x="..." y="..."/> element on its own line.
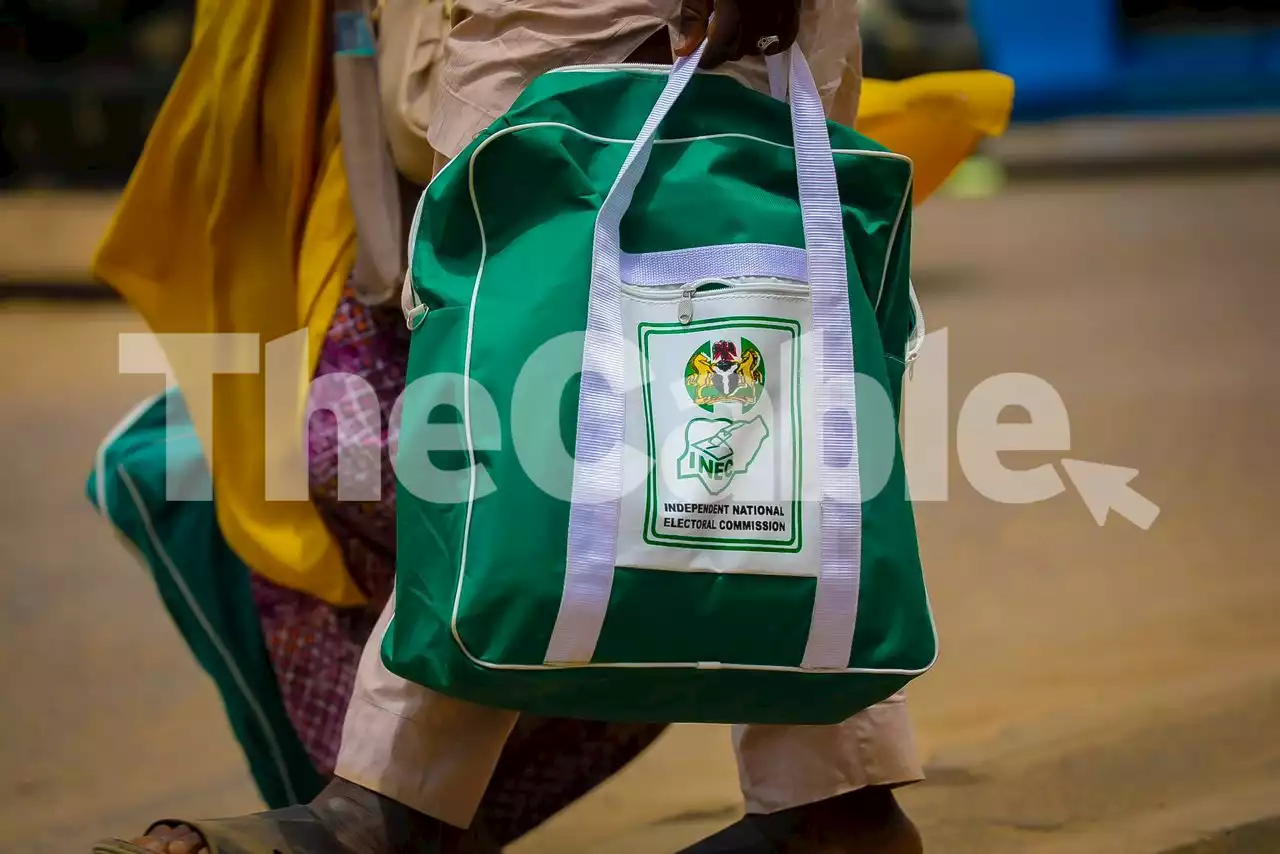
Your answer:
<point x="315" y="648"/>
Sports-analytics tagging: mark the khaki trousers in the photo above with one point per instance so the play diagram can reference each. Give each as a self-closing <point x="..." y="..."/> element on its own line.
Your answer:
<point x="436" y="754"/>
<point x="496" y="47"/>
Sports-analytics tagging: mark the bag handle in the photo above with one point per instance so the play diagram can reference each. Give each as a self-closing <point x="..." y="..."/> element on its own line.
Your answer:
<point x="597" y="487"/>
<point x="779" y="69"/>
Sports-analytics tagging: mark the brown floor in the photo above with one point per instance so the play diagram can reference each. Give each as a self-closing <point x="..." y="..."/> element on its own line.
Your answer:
<point x="1101" y="689"/>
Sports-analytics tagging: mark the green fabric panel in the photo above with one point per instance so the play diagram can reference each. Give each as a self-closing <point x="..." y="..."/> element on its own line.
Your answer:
<point x="537" y="192"/>
<point x="705" y="617"/>
<point x="205" y="588"/>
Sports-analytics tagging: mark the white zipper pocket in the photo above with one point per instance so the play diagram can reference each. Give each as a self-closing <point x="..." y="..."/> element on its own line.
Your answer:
<point x="685" y="296"/>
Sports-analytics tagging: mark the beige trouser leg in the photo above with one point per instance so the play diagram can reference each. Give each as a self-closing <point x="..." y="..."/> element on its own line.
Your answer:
<point x="436" y="754"/>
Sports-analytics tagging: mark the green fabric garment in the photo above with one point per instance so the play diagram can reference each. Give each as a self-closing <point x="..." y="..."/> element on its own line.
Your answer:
<point x="203" y="584"/>
<point x="502" y="265"/>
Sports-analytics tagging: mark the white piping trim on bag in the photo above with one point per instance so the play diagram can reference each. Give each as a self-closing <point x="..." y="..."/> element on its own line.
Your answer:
<point x="915" y="343"/>
<point x="779" y="84"/>
<point x="471" y="161"/>
<point x="413" y="310"/>
<point x="779" y="88"/>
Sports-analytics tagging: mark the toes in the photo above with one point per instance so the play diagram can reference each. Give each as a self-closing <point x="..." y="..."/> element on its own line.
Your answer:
<point x="171" y="840"/>
<point x="157" y="839"/>
<point x="188" y="843"/>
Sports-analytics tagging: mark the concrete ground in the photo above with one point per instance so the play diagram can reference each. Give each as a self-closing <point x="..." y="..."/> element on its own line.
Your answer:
<point x="1101" y="690"/>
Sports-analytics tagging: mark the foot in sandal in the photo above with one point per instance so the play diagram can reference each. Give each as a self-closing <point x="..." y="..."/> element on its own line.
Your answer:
<point x="865" y="821"/>
<point x="343" y="819"/>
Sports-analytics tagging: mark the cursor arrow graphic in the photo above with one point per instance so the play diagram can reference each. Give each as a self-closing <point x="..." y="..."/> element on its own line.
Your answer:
<point x="1105" y="488"/>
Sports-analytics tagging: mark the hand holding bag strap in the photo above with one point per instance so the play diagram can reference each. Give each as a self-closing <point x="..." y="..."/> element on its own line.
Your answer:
<point x="593" y="521"/>
<point x="372" y="181"/>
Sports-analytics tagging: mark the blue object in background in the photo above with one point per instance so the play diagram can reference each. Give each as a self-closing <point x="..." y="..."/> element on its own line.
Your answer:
<point x="352" y="34"/>
<point x="1079" y="58"/>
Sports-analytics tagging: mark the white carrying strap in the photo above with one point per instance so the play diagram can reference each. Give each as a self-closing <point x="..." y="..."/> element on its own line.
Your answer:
<point x="835" y="605"/>
<point x="597" y="479"/>
<point x="597" y="472"/>
<point x="779" y="77"/>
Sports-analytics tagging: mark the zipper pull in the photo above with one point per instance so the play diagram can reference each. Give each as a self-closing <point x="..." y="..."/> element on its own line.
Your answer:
<point x="686" y="303"/>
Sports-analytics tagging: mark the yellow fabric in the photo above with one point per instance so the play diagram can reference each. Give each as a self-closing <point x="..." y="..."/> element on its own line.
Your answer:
<point x="935" y="119"/>
<point x="236" y="219"/>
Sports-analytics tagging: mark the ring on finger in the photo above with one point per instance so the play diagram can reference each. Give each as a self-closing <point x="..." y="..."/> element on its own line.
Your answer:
<point x="767" y="42"/>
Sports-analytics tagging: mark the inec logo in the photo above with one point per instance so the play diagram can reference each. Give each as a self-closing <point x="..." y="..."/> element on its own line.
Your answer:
<point x="716" y="450"/>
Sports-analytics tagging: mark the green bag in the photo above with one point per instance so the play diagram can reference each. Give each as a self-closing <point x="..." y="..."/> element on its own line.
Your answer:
<point x="683" y="310"/>
<point x="204" y="585"/>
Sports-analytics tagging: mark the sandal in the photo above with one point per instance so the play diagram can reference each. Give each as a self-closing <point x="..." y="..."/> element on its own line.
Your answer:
<point x="292" y="830"/>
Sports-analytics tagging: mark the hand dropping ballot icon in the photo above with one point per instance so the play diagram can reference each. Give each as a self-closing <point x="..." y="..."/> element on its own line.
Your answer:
<point x="718" y="449"/>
